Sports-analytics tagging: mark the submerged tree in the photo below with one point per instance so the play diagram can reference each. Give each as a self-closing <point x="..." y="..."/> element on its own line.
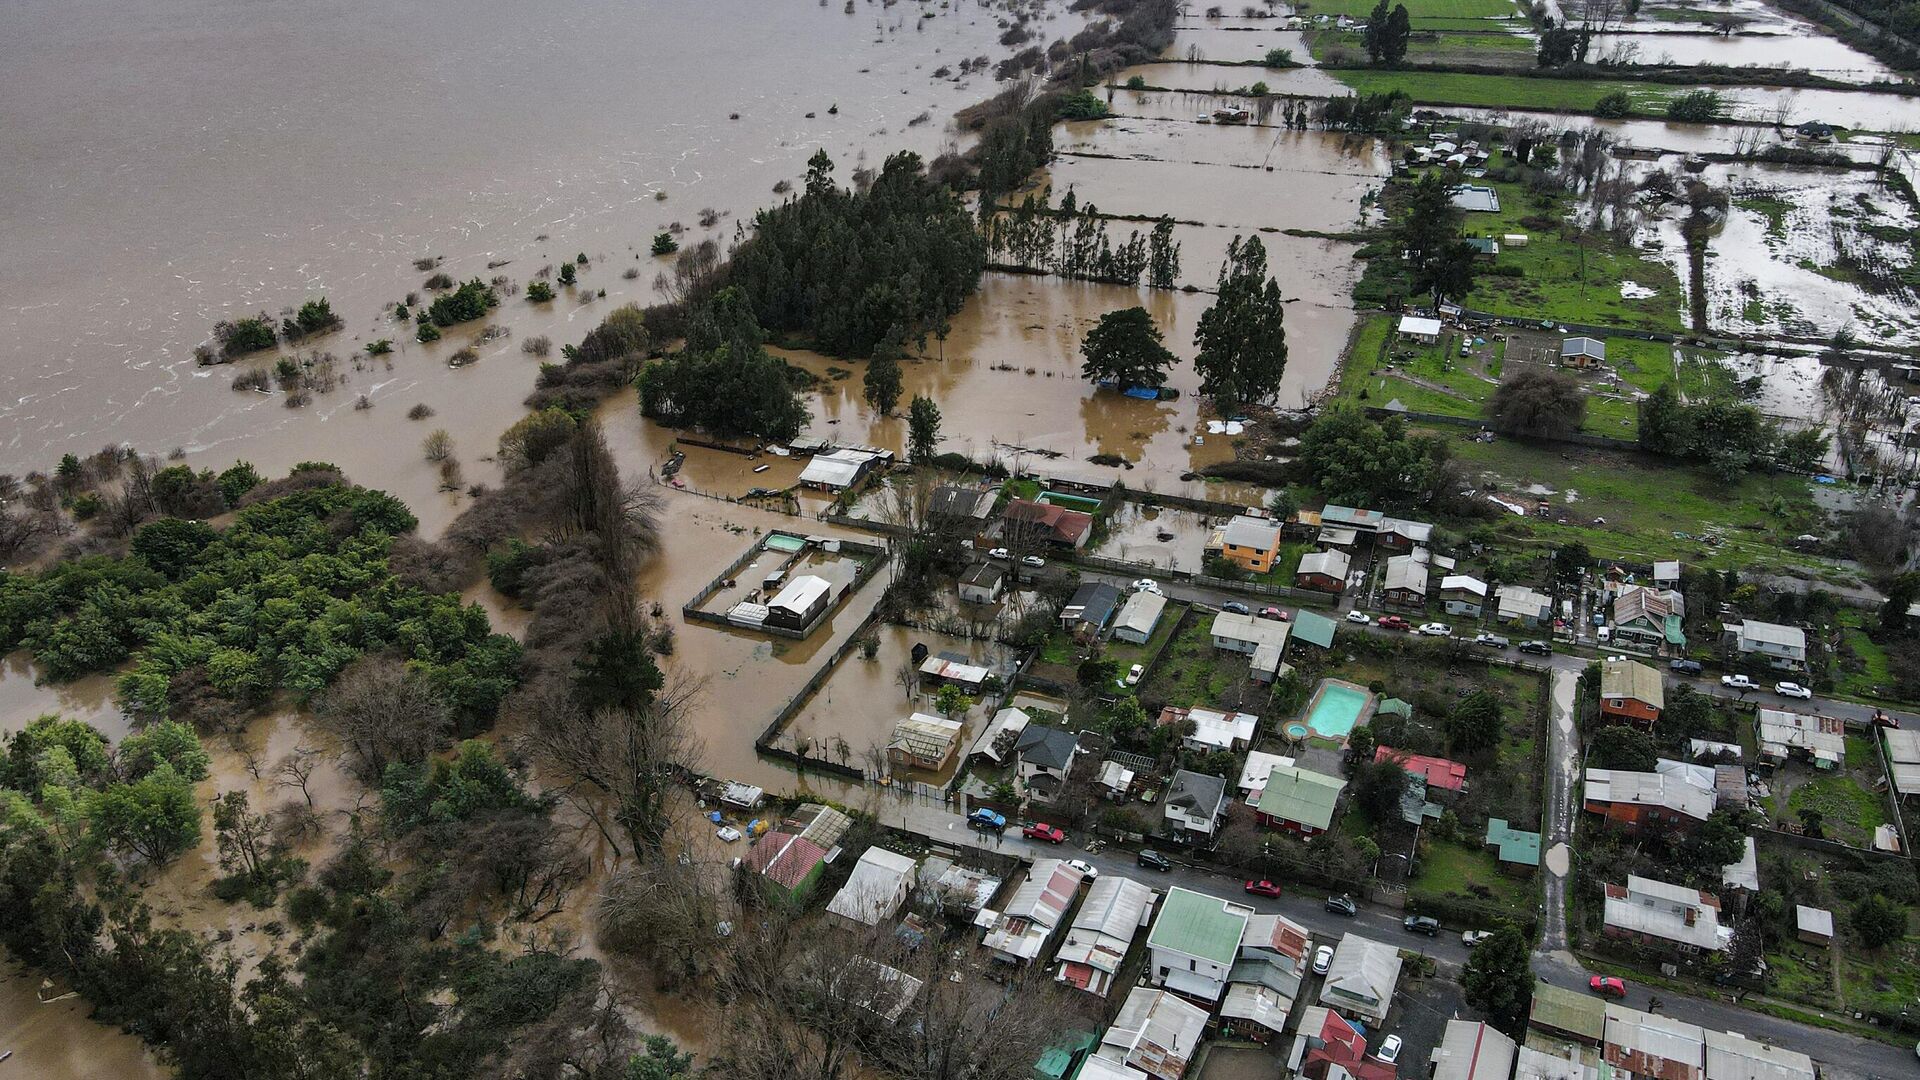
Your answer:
<point x="923" y="428"/>
<point x="1241" y="341"/>
<point x="1125" y="348"/>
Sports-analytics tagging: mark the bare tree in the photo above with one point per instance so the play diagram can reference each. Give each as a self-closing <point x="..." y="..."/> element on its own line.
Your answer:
<point x="382" y="713"/>
<point x="665" y="912"/>
<point x="618" y="767"/>
<point x="296" y="771"/>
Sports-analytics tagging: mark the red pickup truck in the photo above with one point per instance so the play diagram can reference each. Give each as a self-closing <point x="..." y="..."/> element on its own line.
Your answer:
<point x="1394" y="622"/>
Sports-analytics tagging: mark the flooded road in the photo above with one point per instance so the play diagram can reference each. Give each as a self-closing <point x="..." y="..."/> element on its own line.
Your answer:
<point x="167" y="168"/>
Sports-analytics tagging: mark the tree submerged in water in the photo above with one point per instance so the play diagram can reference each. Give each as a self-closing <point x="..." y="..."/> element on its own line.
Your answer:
<point x="723" y="381"/>
<point x="1241" y="340"/>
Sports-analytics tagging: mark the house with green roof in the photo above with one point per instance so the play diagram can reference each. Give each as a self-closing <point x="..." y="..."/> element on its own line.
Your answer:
<point x="1518" y="849"/>
<point x="1313" y="629"/>
<point x="1568" y="1014"/>
<point x="1062" y="1059"/>
<point x="1299" y="801"/>
<point x="1194" y="942"/>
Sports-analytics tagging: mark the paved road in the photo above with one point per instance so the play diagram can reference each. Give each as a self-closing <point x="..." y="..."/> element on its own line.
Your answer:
<point x="1563" y="763"/>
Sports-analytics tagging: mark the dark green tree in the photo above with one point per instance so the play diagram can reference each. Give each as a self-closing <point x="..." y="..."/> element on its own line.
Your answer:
<point x="1377" y="787"/>
<point x="1439" y="264"/>
<point x="568" y="275"/>
<point x="882" y="383"/>
<point x="1399" y="32"/>
<point x="1163" y="256"/>
<point x="1878" y="921"/>
<point x="1622" y="746"/>
<point x="1474" y="724"/>
<point x="1538" y="401"/>
<point x="1356" y="461"/>
<point x="1901" y="591"/>
<point x="617" y="671"/>
<point x="1374" y="37"/>
<point x="1125" y="348"/>
<point x="923" y="428"/>
<point x="1498" y="980"/>
<point x="1241" y="341"/>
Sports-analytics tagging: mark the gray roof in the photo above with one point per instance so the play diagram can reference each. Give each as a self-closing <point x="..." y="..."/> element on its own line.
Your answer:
<point x="1092" y="602"/>
<point x="1406" y="572"/>
<point x="1251" y="532"/>
<point x="1198" y="793"/>
<point x="1584" y="346"/>
<point x="1049" y="746"/>
<point x="951" y="500"/>
<point x="986" y="575"/>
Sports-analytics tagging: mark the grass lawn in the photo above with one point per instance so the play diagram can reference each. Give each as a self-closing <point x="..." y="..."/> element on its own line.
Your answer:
<point x="1646" y="501"/>
<point x="1192" y="672"/>
<point x="1849" y="812"/>
<point x="1565" y="281"/>
<point x="1888" y="979"/>
<point x="1453" y="870"/>
<point x="1127" y="654"/>
<point x="1453" y="46"/>
<point x="1418" y="9"/>
<point x="1507" y="91"/>
<point x="1875" y="674"/>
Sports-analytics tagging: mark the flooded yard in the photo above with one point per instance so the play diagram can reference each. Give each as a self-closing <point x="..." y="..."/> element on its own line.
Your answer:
<point x="1162" y="536"/>
<point x="856" y="709"/>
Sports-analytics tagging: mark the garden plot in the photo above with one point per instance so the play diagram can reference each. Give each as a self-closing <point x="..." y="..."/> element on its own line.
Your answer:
<point x="1806" y="253"/>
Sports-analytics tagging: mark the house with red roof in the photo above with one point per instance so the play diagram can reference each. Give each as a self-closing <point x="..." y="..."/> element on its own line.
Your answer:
<point x="788" y="864"/>
<point x="1445" y="779"/>
<point x="1046" y="522"/>
<point x="1325" y="1040"/>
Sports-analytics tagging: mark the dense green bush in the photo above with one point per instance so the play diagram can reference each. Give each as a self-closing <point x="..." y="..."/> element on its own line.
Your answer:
<point x="470" y="301"/>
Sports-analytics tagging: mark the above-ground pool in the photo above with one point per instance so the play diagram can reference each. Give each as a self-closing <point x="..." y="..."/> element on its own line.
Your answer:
<point x="1336" y="707"/>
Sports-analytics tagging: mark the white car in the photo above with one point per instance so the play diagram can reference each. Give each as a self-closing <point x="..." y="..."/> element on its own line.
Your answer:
<point x="1034" y="561"/>
<point x="998" y="553"/>
<point x="1360" y="617"/>
<point x="1146" y="584"/>
<point x="727" y="833"/>
<point x="1134" y="673"/>
<point x="1389" y="1051"/>
<point x="1084" y="867"/>
<point x="1322" y="959"/>
<point x="1436" y="629"/>
<point x="1738" y="682"/>
<point x="1470" y="938"/>
<point x="1793" y="690"/>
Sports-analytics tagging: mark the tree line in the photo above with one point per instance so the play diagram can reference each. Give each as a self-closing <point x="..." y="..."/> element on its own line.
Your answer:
<point x="1072" y="242"/>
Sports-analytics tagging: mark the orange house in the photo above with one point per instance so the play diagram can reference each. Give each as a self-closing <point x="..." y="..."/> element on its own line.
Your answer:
<point x="1631" y="693"/>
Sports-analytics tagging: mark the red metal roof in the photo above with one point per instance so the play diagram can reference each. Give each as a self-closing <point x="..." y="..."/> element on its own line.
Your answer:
<point x="1441" y="773"/>
<point x="786" y="859"/>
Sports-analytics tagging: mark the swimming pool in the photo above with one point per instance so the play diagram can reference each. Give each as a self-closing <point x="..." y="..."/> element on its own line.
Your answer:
<point x="1336" y="707"/>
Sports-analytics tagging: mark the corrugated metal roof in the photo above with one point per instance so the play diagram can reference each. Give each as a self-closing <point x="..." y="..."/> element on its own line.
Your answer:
<point x="1301" y="796"/>
<point x="1199" y="925"/>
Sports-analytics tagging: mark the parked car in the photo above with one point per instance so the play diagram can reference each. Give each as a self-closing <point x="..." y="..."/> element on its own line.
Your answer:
<point x="1470" y="938"/>
<point x="1342" y="905"/>
<point x="727" y="833"/>
<point x="1236" y="607"/>
<point x="1264" y="888"/>
<point x="1134" y="673"/>
<point x="1685" y="667"/>
<point x="1153" y="860"/>
<point x="986" y="819"/>
<point x="1360" y="617"/>
<point x="1086" y="868"/>
<point x="1792" y="690"/>
<point x="1394" y="622"/>
<point x="1436" y="629"/>
<point x="1322" y="959"/>
<point x="1389" y="1050"/>
<point x="1608" y="985"/>
<point x="1040" y="830"/>
<point x="1537" y="648"/>
<point x="1146" y="584"/>
<point x="1275" y="614"/>
<point x="998" y="553"/>
<point x="1738" y="682"/>
<point x="1491" y="641"/>
<point x="1033" y="561"/>
<point x="1422" y="924"/>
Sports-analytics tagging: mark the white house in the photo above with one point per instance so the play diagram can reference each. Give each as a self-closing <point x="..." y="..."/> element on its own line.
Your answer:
<point x="982" y="582"/>
<point x="1138" y="616"/>
<point x="1782" y="647"/>
<point x="1034" y="912"/>
<point x="1212" y="729"/>
<point x="1234" y="632"/>
<point x="1193" y="804"/>
<point x="875" y="890"/>
<point x="1658" y="913"/>
<point x="1361" y="980"/>
<point x="1194" y="942"/>
<point x="1463" y="594"/>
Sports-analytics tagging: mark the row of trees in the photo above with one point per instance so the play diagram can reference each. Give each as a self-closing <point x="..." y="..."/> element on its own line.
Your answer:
<point x="1072" y="241"/>
<point x="1387" y="33"/>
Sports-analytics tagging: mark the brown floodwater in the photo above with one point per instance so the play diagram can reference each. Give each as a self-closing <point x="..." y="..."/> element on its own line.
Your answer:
<point x="56" y="1039"/>
<point x="1237" y="41"/>
<point x="169" y="168"/>
<point x="1801" y="46"/>
<point x="1182" y="75"/>
<point x="22" y="699"/>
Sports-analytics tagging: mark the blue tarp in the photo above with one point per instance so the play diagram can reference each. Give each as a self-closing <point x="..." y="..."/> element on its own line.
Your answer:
<point x="1144" y="393"/>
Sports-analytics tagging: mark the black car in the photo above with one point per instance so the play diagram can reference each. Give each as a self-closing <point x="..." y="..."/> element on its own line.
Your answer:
<point x="1537" y="648"/>
<point x="1236" y="607"/>
<point x="1342" y="905"/>
<point x="1686" y="667"/>
<point x="1423" y="924"/>
<point x="1153" y="860"/>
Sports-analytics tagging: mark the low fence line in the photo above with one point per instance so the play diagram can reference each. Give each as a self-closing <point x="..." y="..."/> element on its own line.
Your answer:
<point x="1600" y="442"/>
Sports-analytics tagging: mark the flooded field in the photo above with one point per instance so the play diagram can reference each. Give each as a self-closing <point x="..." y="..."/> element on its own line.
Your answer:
<point x="839" y="571"/>
<point x="21" y="700"/>
<point x="1236" y="40"/>
<point x="57" y="1040"/>
<point x="1806" y="252"/>
<point x="1205" y="78"/>
<point x="1803" y="47"/>
<point x="1161" y="536"/>
<point x="169" y="169"/>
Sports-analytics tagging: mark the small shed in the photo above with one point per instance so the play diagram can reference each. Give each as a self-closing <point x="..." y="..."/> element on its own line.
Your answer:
<point x="1814" y="925"/>
<point x="1583" y="352"/>
<point x="1423" y="330"/>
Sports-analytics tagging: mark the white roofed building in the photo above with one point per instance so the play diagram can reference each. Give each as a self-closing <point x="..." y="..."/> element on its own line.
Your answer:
<point x="1114" y="912"/>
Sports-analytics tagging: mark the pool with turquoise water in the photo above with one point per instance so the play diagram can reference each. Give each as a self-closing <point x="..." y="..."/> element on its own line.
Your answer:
<point x="1336" y="708"/>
